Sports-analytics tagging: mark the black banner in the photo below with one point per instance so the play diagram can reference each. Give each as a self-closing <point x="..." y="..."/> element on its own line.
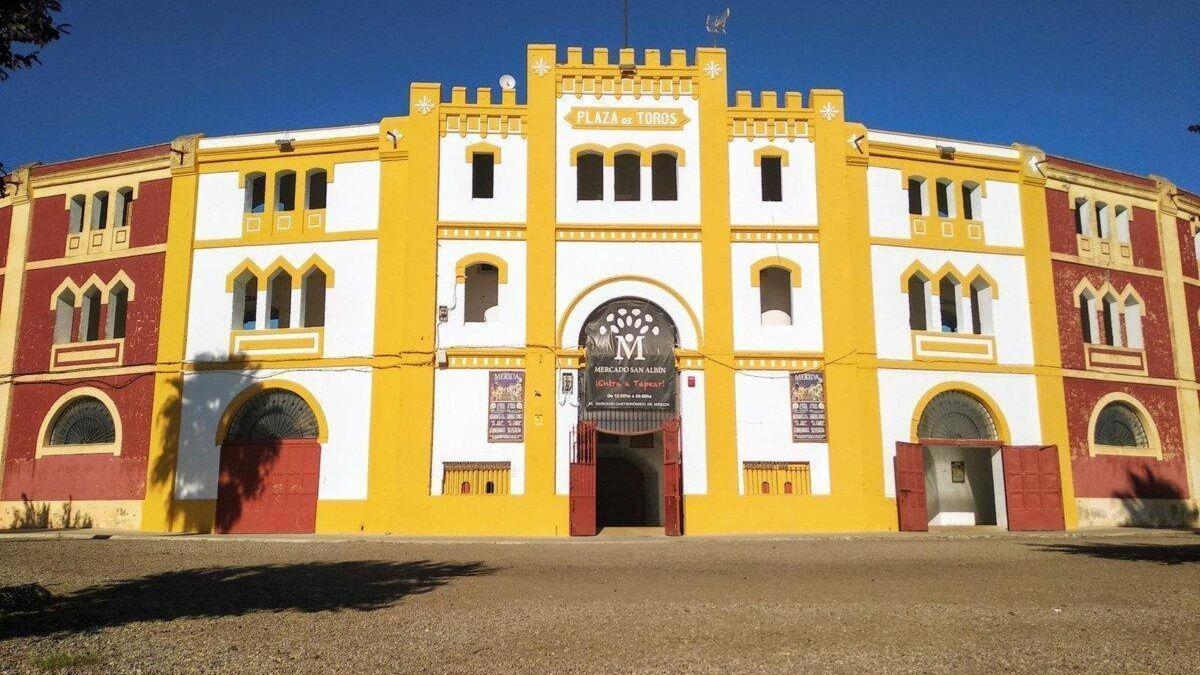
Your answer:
<point x="630" y="358"/>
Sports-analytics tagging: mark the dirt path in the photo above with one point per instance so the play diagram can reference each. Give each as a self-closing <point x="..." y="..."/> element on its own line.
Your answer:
<point x="692" y="605"/>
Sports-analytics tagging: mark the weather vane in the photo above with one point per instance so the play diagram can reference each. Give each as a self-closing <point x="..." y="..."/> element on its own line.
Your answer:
<point x="715" y="24"/>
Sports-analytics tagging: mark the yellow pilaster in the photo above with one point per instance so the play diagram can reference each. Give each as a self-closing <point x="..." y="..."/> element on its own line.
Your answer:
<point x="20" y="199"/>
<point x="160" y="511"/>
<point x="717" y="339"/>
<point x="540" y="319"/>
<point x="1052" y="403"/>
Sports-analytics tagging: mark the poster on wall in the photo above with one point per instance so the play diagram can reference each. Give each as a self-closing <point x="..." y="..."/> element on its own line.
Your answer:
<point x="630" y="348"/>
<point x="808" y="407"/>
<point x="506" y="406"/>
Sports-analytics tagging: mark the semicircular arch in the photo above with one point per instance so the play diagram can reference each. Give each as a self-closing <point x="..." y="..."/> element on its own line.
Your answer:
<point x="674" y="305"/>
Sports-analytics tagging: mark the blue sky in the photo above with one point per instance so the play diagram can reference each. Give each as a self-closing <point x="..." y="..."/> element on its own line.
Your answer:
<point x="1114" y="83"/>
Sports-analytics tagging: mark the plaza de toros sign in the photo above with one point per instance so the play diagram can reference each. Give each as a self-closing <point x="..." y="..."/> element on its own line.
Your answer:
<point x="626" y="118"/>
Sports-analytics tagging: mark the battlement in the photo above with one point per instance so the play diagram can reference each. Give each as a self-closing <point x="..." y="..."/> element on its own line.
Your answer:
<point x="768" y="100"/>
<point x="483" y="97"/>
<point x="651" y="58"/>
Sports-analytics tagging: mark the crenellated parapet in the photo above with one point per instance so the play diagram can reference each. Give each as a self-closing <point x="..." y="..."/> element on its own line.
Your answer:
<point x="627" y="76"/>
<point x="769" y="119"/>
<point x="483" y="115"/>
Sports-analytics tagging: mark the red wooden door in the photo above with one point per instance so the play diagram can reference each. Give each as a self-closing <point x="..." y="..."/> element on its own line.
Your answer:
<point x="911" y="511"/>
<point x="1032" y="488"/>
<point x="268" y="487"/>
<point x="672" y="478"/>
<point x="583" y="481"/>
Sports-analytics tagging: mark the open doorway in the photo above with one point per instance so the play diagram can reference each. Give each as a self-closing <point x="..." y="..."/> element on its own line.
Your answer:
<point x="964" y="485"/>
<point x="629" y="480"/>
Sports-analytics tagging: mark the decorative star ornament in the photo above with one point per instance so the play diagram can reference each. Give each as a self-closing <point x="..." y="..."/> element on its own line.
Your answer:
<point x="829" y="111"/>
<point x="540" y="67"/>
<point x="712" y="69"/>
<point x="424" y="105"/>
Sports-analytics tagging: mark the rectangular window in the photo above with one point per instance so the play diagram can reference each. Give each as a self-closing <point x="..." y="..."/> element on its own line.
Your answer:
<point x="482" y="173"/>
<point x="772" y="179"/>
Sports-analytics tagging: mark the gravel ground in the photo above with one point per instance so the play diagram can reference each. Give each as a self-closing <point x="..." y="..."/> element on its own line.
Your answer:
<point x="883" y="604"/>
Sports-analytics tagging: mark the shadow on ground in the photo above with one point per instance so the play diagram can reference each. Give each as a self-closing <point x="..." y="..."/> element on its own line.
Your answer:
<point x="1166" y="554"/>
<point x="233" y="591"/>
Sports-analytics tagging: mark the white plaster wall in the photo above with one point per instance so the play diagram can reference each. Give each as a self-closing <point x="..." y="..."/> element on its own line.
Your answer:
<point x="1001" y="208"/>
<point x="219" y="206"/>
<point x="460" y="417"/>
<point x="684" y="210"/>
<point x="352" y="200"/>
<point x="1010" y="312"/>
<point x="692" y="431"/>
<point x="675" y="265"/>
<point x="799" y="181"/>
<point x="931" y="143"/>
<point x="508" y="328"/>
<point x="349" y="303"/>
<point x="507" y="204"/>
<point x="805" y="333"/>
<point x="343" y="395"/>
<point x="887" y="203"/>
<point x="302" y="135"/>
<point x="764" y="427"/>
<point x="901" y="390"/>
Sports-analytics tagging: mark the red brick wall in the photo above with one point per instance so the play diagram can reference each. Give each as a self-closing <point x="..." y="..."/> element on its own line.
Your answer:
<point x="1143" y="236"/>
<point x="51" y="219"/>
<point x="1156" y="328"/>
<point x="5" y="232"/>
<point x="1108" y="476"/>
<point x="1187" y="248"/>
<point x="1061" y="217"/>
<point x="142" y="316"/>
<point x="48" y="232"/>
<point x="78" y="477"/>
<point x="151" y="212"/>
<point x="1192" y="296"/>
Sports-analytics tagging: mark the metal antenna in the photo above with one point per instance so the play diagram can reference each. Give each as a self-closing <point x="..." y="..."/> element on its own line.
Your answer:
<point x="626" y="45"/>
<point x="715" y="24"/>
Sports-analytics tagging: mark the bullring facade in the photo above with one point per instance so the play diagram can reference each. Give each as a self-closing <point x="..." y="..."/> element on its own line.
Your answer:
<point x="628" y="300"/>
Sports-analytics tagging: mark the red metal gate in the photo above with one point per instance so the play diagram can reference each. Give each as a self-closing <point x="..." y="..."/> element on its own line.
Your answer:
<point x="672" y="478"/>
<point x="1032" y="488"/>
<point x="583" y="481"/>
<point x="909" y="464"/>
<point x="268" y="487"/>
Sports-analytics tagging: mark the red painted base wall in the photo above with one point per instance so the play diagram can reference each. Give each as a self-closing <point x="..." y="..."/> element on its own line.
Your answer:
<point x="1109" y="476"/>
<point x="78" y="477"/>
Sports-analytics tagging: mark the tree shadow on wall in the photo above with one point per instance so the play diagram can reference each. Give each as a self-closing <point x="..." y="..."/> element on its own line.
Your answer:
<point x="1144" y="505"/>
<point x="211" y="592"/>
<point x="189" y="427"/>
<point x="39" y="516"/>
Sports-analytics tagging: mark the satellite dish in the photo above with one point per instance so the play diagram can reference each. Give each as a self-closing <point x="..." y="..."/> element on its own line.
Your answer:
<point x="508" y="82"/>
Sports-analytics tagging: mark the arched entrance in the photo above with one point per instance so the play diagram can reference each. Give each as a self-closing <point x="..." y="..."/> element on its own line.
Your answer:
<point x="270" y="465"/>
<point x="959" y="472"/>
<point x="626" y="467"/>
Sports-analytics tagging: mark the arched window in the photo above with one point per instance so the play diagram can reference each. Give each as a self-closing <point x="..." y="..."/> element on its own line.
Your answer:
<point x="312" y="300"/>
<point x="956" y="414"/>
<point x="1103" y="225"/>
<point x="285" y="191"/>
<point x="1133" y="323"/>
<point x="465" y="488"/>
<point x="664" y="177"/>
<point x="481" y="292"/>
<point x="589" y="177"/>
<point x="981" y="307"/>
<point x="84" y="420"/>
<point x="1120" y="425"/>
<point x="948" y="303"/>
<point x="64" y="316"/>
<point x="489" y="488"/>
<point x="99" y="210"/>
<point x="315" y="187"/>
<point x="124" y="213"/>
<point x="945" y="198"/>
<point x="245" y="301"/>
<point x="627" y="182"/>
<point x="972" y="200"/>
<point x="118" y="307"/>
<point x="78" y="204"/>
<point x="273" y="415"/>
<point x="1112" y="320"/>
<point x="256" y="192"/>
<point x="1083" y="217"/>
<point x="89" y="319"/>
<point x="1122" y="216"/>
<point x="918" y="292"/>
<point x="918" y="198"/>
<point x="775" y="296"/>
<point x="483" y="174"/>
<point x="787" y="488"/>
<point x="765" y="487"/>
<point x="1087" y="317"/>
<point x="279" y="300"/>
